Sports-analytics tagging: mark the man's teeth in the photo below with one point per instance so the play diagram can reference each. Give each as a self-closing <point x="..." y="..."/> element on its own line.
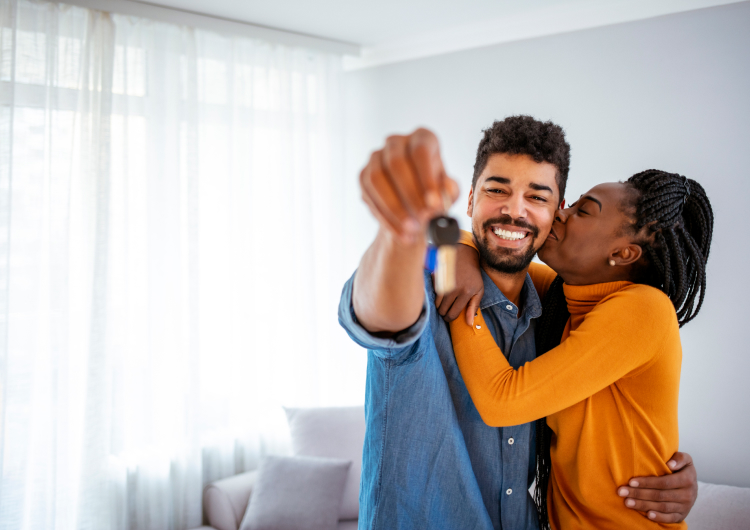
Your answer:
<point x="511" y="236"/>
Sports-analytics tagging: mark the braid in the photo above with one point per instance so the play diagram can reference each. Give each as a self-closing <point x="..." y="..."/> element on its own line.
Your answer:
<point x="679" y="222"/>
<point x="549" y="331"/>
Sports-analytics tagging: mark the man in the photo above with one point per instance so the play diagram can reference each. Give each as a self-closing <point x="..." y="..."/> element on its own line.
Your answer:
<point x="429" y="460"/>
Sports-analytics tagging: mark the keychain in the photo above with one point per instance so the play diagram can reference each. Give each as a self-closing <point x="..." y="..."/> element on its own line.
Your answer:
<point x="444" y="233"/>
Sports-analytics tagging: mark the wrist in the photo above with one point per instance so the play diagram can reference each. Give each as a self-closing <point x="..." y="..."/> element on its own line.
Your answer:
<point x="392" y="242"/>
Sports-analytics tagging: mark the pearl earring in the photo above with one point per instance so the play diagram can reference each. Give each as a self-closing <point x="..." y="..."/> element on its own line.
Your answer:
<point x="612" y="262"/>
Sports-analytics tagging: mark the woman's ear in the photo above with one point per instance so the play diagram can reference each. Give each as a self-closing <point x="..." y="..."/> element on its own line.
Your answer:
<point x="626" y="255"/>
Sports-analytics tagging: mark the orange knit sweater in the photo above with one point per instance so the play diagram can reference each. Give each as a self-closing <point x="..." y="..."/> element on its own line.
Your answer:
<point x="609" y="392"/>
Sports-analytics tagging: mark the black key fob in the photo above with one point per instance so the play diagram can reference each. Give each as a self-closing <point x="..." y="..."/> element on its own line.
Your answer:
<point x="443" y="230"/>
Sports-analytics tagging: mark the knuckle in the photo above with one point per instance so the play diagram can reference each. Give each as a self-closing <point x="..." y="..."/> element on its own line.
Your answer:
<point x="375" y="178"/>
<point x="423" y="135"/>
<point x="419" y="149"/>
<point x="666" y="483"/>
<point x="394" y="143"/>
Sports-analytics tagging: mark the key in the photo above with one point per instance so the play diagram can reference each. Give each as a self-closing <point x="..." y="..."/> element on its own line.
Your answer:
<point x="444" y="233"/>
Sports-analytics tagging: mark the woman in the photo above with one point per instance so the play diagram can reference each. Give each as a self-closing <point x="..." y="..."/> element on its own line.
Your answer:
<point x="632" y="258"/>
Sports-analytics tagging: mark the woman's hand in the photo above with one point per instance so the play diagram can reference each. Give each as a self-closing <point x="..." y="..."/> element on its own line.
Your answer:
<point x="665" y="499"/>
<point x="469" y="287"/>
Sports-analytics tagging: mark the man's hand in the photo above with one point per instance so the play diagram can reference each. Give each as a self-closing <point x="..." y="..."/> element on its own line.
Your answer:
<point x="469" y="287"/>
<point x="665" y="499"/>
<point x="405" y="184"/>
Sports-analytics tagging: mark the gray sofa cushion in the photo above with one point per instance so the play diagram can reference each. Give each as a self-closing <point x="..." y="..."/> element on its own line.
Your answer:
<point x="720" y="508"/>
<point x="225" y="500"/>
<point x="334" y="432"/>
<point x="296" y="492"/>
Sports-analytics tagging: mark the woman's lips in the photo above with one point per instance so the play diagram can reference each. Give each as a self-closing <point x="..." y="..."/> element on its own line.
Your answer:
<point x="552" y="234"/>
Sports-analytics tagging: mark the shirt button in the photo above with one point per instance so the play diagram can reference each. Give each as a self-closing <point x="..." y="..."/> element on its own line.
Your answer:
<point x="509" y="307"/>
<point x="511" y="441"/>
<point x="508" y="491"/>
<point x="479" y="327"/>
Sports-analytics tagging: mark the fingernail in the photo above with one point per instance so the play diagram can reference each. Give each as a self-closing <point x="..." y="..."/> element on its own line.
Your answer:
<point x="651" y="515"/>
<point x="630" y="503"/>
<point x="623" y="492"/>
<point x="672" y="463"/>
<point x="633" y="483"/>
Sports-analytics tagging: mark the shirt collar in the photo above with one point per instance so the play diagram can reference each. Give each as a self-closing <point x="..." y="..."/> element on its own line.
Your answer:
<point x="494" y="296"/>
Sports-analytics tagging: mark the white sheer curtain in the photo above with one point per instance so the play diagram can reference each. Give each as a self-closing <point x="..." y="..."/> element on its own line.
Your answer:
<point x="170" y="262"/>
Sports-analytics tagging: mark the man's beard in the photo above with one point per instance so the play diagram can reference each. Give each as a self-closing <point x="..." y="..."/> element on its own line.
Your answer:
<point x="506" y="260"/>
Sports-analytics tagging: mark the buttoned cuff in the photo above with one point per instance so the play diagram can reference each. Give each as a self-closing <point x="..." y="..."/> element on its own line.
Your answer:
<point x="391" y="345"/>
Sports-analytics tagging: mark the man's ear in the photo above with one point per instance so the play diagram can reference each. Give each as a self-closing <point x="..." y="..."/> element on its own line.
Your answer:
<point x="626" y="255"/>
<point x="470" y="209"/>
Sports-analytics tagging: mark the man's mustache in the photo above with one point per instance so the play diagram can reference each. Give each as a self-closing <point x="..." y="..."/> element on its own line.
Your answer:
<point x="508" y="220"/>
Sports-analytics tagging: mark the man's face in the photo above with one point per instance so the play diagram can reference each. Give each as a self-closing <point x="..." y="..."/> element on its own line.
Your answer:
<point x="512" y="208"/>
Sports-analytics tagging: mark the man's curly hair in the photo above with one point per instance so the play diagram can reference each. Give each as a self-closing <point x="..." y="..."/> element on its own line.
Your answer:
<point x="523" y="135"/>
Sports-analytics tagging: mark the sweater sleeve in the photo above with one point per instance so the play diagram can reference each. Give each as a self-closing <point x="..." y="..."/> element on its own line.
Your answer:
<point x="467" y="238"/>
<point x="621" y="334"/>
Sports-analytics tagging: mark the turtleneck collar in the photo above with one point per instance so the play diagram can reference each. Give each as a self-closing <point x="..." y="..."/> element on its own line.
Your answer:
<point x="583" y="298"/>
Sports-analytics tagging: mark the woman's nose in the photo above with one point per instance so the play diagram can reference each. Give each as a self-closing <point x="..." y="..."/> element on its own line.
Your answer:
<point x="561" y="215"/>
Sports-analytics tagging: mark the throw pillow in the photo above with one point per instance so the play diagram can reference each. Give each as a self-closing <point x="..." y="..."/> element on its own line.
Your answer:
<point x="334" y="432"/>
<point x="296" y="492"/>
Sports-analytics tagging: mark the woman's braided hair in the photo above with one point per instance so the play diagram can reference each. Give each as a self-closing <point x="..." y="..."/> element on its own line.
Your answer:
<point x="673" y="217"/>
<point x="548" y="333"/>
<point x="679" y="222"/>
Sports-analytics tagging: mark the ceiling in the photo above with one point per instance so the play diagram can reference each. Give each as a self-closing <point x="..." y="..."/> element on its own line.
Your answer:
<point x="356" y="21"/>
<point x="395" y="30"/>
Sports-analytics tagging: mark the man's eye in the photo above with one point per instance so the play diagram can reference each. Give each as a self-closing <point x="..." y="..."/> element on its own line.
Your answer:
<point x="495" y="190"/>
<point x="538" y="198"/>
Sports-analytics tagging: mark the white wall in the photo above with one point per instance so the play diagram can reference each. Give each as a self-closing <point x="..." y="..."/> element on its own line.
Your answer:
<point x="671" y="93"/>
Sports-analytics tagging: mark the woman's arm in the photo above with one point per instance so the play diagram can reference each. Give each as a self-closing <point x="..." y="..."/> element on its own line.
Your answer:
<point x="621" y="334"/>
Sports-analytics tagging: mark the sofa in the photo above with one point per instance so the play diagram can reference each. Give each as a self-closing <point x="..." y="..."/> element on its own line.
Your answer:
<point x="719" y="507"/>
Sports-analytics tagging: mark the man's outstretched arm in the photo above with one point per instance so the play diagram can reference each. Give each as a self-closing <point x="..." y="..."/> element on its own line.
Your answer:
<point x="665" y="499"/>
<point x="403" y="185"/>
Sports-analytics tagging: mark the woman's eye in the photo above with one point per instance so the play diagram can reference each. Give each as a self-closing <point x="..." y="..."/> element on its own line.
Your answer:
<point x="583" y="211"/>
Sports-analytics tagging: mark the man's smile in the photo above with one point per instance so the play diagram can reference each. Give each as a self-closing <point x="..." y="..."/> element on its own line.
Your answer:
<point x="510" y="236"/>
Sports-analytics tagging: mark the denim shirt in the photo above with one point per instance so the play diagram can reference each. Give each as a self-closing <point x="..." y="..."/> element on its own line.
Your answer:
<point x="429" y="460"/>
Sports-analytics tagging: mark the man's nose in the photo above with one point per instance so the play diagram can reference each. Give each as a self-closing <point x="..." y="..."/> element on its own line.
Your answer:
<point x="515" y="207"/>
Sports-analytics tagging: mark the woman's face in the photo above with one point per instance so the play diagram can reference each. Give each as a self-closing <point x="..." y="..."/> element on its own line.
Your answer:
<point x="590" y="233"/>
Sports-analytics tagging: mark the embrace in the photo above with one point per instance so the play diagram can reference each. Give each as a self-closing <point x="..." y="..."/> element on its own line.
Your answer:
<point x="564" y="375"/>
